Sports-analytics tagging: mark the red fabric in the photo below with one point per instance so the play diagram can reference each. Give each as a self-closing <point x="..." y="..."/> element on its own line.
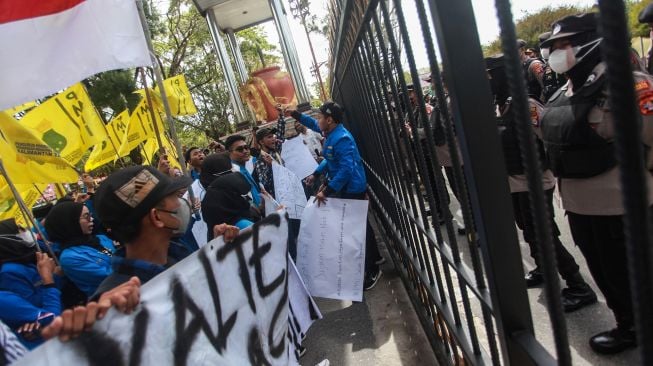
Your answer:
<point x="13" y="10"/>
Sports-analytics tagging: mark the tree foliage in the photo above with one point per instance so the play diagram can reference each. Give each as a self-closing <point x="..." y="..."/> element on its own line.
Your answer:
<point x="531" y="25"/>
<point x="634" y="7"/>
<point x="112" y="92"/>
<point x="257" y="51"/>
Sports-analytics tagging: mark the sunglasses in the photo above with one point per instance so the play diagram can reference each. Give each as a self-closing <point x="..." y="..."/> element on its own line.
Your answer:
<point x="241" y="148"/>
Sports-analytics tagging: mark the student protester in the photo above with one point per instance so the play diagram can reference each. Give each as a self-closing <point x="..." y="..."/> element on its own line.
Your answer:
<point x="239" y="153"/>
<point x="142" y="209"/>
<point x="85" y="258"/>
<point x="227" y="197"/>
<point x="312" y="140"/>
<point x="194" y="157"/>
<point x="29" y="293"/>
<point x="72" y="322"/>
<point x="345" y="173"/>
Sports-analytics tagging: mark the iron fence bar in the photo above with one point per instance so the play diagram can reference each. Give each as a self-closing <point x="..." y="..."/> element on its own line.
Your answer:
<point x="533" y="170"/>
<point x="417" y="145"/>
<point x="441" y="190"/>
<point x="430" y="260"/>
<point x="616" y="53"/>
<point x="459" y="332"/>
<point x="486" y="173"/>
<point x="388" y="141"/>
<point x="422" y="249"/>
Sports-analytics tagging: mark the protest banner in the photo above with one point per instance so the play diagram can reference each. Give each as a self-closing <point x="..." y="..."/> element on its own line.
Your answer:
<point x="297" y="157"/>
<point x="107" y="151"/>
<point x="288" y="190"/>
<point x="331" y="248"/>
<point x="303" y="310"/>
<point x="179" y="97"/>
<point x="226" y="304"/>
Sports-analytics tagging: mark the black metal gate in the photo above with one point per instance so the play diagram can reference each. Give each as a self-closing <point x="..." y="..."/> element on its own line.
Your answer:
<point x="469" y="294"/>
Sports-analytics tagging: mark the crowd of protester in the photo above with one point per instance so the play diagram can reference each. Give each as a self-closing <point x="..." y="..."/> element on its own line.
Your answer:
<point x="93" y="249"/>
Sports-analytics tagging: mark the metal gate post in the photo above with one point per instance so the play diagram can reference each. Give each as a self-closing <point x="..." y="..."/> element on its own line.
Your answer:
<point x="486" y="174"/>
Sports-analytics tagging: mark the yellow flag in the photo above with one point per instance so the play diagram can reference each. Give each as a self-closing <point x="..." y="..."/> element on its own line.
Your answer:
<point x="67" y="122"/>
<point x="149" y="149"/>
<point x="106" y="152"/>
<point x="20" y="108"/>
<point x="9" y="206"/>
<point x="27" y="159"/>
<point x="179" y="97"/>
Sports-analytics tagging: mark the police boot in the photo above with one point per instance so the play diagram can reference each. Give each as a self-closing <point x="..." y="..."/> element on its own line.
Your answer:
<point x="578" y="294"/>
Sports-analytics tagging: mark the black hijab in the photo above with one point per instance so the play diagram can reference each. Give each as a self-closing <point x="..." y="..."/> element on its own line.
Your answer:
<point x="62" y="226"/>
<point x="213" y="165"/>
<point x="225" y="201"/>
<point x="8" y="227"/>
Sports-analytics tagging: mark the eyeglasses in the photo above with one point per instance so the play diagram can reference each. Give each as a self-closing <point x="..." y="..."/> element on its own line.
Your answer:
<point x="87" y="216"/>
<point x="241" y="148"/>
<point x="222" y="173"/>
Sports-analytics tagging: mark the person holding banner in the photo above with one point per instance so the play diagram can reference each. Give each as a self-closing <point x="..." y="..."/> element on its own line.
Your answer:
<point x="141" y="208"/>
<point x="345" y="173"/>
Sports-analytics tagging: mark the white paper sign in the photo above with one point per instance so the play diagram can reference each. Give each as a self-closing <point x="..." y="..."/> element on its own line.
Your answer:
<point x="297" y="157"/>
<point x="200" y="229"/>
<point x="288" y="190"/>
<point x="331" y="248"/>
<point x="226" y="304"/>
<point x="303" y="310"/>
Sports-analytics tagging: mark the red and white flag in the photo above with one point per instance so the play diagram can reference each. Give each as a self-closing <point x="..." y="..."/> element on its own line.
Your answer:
<point x="48" y="45"/>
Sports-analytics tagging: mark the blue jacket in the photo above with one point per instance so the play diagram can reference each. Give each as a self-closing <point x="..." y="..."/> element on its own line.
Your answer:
<point x="124" y="269"/>
<point x="87" y="267"/>
<point x="343" y="163"/>
<point x="24" y="299"/>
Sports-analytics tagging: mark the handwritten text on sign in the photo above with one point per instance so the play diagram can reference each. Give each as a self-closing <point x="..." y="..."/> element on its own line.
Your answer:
<point x="227" y="304"/>
<point x="331" y="248"/>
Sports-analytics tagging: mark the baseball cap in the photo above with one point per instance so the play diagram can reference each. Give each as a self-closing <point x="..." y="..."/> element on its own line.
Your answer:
<point x="332" y="109"/>
<point x="646" y="15"/>
<point x="521" y="43"/>
<point x="494" y="62"/>
<point x="571" y="26"/>
<point x="128" y="194"/>
<point x="265" y="131"/>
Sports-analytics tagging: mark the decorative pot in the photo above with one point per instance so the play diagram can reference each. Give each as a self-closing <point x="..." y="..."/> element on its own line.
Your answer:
<point x="265" y="89"/>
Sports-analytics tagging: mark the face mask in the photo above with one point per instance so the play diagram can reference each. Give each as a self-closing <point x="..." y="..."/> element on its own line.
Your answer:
<point x="182" y="214"/>
<point x="545" y="53"/>
<point x="565" y="59"/>
<point x="26" y="236"/>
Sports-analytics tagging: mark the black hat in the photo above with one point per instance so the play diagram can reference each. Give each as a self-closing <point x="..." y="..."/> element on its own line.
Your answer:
<point x="544" y="36"/>
<point x="646" y="15"/>
<point x="571" y="26"/>
<point x="521" y="43"/>
<point x="128" y="194"/>
<point x="333" y="110"/>
<point x="494" y="62"/>
<point x="265" y="131"/>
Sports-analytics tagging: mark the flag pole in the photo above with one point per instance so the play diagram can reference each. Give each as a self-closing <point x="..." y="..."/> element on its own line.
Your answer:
<point x="164" y="98"/>
<point x="27" y="213"/>
<point x="148" y="98"/>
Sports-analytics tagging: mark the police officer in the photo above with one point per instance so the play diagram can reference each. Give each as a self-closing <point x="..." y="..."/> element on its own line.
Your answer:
<point x="533" y="69"/>
<point x="646" y="17"/>
<point x="578" y="293"/>
<point x="345" y="173"/>
<point x="551" y="81"/>
<point x="578" y="131"/>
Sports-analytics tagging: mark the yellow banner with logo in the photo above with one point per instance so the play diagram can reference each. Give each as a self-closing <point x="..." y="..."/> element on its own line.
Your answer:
<point x="179" y="97"/>
<point x="107" y="151"/>
<point x="9" y="207"/>
<point x="151" y="147"/>
<point x="20" y="108"/>
<point x="68" y="123"/>
<point x="27" y="159"/>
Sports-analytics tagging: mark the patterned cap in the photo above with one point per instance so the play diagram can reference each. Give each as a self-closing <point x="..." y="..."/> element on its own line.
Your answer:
<point x="128" y="194"/>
